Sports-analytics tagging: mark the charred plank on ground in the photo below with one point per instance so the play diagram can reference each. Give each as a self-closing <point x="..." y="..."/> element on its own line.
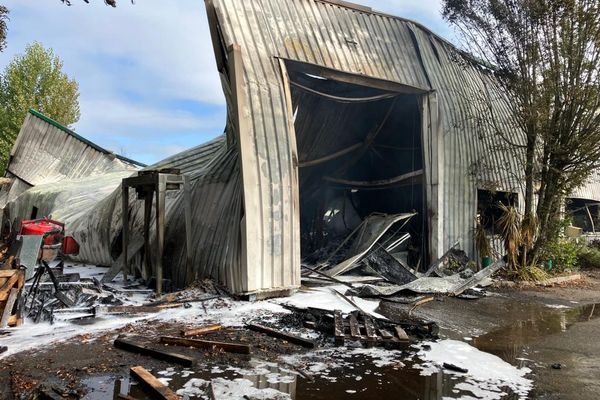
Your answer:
<point x="134" y="347"/>
<point x="201" y="330"/>
<point x="239" y="348"/>
<point x="295" y="339"/>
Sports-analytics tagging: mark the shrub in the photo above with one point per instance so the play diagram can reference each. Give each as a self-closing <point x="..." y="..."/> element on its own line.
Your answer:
<point x="563" y="253"/>
<point x="589" y="257"/>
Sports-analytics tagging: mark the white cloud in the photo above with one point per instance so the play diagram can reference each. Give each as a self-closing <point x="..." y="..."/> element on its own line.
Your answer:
<point x="147" y="70"/>
<point x="114" y="112"/>
<point x="154" y="48"/>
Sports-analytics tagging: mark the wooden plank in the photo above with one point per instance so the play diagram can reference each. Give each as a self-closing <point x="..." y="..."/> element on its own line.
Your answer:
<point x="8" y="273"/>
<point x="149" y="381"/>
<point x="354" y="329"/>
<point x="131" y="309"/>
<point x="201" y="330"/>
<point x="283" y="335"/>
<point x="130" y="345"/>
<point x="21" y="281"/>
<point x="338" y="326"/>
<point x="239" y="348"/>
<point x="385" y="334"/>
<point x="12" y="298"/>
<point x="7" y="286"/>
<point x="370" y="330"/>
<point x="478" y="277"/>
<point x="402" y="334"/>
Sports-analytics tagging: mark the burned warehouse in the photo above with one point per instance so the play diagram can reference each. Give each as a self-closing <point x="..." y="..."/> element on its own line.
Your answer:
<point x="351" y="135"/>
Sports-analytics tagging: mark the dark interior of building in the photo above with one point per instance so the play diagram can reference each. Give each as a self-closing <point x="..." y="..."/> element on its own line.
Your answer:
<point x="360" y="152"/>
<point x="585" y="214"/>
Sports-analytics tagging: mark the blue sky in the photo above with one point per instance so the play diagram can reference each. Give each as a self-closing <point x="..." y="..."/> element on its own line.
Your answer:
<point x="148" y="81"/>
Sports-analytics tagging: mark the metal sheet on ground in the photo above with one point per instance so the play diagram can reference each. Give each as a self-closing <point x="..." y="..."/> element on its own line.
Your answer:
<point x="30" y="251"/>
<point x="374" y="227"/>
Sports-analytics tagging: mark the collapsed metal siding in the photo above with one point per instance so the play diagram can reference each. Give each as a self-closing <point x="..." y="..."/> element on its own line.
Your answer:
<point x="45" y="153"/>
<point x="191" y="161"/>
<point x="590" y="190"/>
<point x="371" y="44"/>
<point x="98" y="230"/>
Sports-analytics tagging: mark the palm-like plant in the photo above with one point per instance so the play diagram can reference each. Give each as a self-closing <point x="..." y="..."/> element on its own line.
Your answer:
<point x="510" y="230"/>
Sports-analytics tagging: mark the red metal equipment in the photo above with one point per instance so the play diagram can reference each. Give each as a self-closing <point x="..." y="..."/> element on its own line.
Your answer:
<point x="54" y="237"/>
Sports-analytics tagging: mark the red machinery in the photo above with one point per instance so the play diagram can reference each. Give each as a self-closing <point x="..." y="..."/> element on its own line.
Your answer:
<point x="54" y="240"/>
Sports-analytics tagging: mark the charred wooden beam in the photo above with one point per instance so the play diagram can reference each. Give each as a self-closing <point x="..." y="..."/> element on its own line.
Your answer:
<point x="402" y="335"/>
<point x="338" y="328"/>
<point x="130" y="345"/>
<point x="299" y="340"/>
<point x="354" y="329"/>
<point x="239" y="348"/>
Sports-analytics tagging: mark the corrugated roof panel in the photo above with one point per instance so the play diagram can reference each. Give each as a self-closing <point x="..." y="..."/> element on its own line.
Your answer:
<point x="45" y="152"/>
<point x="590" y="190"/>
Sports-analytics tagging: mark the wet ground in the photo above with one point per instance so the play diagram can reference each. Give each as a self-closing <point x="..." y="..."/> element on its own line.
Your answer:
<point x="535" y="328"/>
<point x="532" y="328"/>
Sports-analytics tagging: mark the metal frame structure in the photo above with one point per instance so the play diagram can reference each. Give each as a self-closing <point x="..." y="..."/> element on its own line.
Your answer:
<point x="149" y="184"/>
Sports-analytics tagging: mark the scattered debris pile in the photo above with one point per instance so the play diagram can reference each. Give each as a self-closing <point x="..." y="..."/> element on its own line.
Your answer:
<point x="378" y="255"/>
<point x="361" y="327"/>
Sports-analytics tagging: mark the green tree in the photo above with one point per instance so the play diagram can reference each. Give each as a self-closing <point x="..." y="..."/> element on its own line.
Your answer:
<point x="3" y="26"/>
<point x="545" y="54"/>
<point x="34" y="80"/>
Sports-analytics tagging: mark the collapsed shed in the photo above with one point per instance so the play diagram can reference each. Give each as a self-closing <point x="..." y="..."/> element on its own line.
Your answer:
<point x="336" y="114"/>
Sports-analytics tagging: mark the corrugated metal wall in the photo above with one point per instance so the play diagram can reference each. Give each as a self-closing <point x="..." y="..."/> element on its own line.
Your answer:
<point x="45" y="152"/>
<point x="589" y="191"/>
<point x="375" y="45"/>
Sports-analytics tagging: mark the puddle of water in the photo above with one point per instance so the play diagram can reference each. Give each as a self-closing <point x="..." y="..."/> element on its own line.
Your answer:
<point x="356" y="378"/>
<point x="510" y="343"/>
<point x="342" y="374"/>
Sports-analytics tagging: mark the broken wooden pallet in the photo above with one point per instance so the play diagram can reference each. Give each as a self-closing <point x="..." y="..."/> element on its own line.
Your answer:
<point x="11" y="285"/>
<point x="362" y="328"/>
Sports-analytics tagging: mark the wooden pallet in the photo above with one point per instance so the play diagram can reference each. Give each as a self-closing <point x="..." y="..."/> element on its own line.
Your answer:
<point x="363" y="329"/>
<point x="11" y="285"/>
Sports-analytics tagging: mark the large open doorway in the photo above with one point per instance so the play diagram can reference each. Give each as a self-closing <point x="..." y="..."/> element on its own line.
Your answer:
<point x="360" y="151"/>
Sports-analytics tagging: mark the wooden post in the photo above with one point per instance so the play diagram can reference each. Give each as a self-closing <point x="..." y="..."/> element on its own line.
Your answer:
<point x="161" y="190"/>
<point x="187" y="199"/>
<point x="125" y="210"/>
